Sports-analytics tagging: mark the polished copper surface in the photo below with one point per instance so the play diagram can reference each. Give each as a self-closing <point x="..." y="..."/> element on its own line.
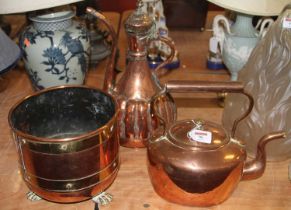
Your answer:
<point x="138" y="84"/>
<point x="72" y="168"/>
<point x="192" y="173"/>
<point x="188" y="177"/>
<point x="77" y="195"/>
<point x="255" y="168"/>
<point x="176" y="86"/>
<point x="134" y="92"/>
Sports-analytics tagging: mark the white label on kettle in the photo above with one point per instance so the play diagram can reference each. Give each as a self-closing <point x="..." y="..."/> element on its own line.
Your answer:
<point x="200" y="136"/>
<point x="287" y="22"/>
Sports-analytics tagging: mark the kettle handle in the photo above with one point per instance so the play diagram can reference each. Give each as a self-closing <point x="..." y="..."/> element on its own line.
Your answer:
<point x="110" y="74"/>
<point x="170" y="58"/>
<point x="209" y="86"/>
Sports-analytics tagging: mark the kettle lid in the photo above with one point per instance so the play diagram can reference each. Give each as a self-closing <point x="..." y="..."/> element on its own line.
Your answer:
<point x="139" y="23"/>
<point x="197" y="134"/>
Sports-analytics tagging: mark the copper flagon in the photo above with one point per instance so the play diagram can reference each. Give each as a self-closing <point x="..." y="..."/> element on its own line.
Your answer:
<point x="139" y="83"/>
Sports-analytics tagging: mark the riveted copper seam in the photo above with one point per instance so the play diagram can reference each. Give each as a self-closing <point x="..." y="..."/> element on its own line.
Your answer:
<point x="72" y="184"/>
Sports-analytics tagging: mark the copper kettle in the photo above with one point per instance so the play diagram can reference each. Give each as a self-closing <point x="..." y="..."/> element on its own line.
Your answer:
<point x="196" y="162"/>
<point x="138" y="83"/>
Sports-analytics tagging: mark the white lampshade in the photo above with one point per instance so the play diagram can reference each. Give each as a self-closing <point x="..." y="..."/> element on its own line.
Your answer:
<point x="19" y="6"/>
<point x="253" y="7"/>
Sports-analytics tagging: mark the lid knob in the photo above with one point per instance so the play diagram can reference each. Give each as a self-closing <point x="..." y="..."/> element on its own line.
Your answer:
<point x="139" y="23"/>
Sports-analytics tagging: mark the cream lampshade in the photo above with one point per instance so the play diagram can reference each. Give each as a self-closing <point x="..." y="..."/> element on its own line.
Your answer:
<point x="20" y="6"/>
<point x="253" y="7"/>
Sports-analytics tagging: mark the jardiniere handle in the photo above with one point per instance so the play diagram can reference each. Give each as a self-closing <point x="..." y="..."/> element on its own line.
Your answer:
<point x="217" y="87"/>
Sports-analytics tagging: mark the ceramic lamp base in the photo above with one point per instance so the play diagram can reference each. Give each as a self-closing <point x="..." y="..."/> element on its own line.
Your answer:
<point x="55" y="50"/>
<point x="214" y="65"/>
<point x="154" y="63"/>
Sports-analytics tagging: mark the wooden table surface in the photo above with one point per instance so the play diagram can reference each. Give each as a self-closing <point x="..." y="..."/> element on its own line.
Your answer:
<point x="132" y="189"/>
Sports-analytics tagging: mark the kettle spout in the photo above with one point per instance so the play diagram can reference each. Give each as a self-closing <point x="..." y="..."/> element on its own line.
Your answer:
<point x="110" y="73"/>
<point x="255" y="168"/>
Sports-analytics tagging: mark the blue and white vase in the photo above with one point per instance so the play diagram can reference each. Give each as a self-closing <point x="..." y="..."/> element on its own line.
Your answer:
<point x="55" y="50"/>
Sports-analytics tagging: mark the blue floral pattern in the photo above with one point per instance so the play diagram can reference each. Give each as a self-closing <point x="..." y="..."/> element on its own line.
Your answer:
<point x="35" y="79"/>
<point x="57" y="56"/>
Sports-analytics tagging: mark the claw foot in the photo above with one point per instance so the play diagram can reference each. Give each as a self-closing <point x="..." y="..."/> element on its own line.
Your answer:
<point x="32" y="196"/>
<point x="103" y="198"/>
